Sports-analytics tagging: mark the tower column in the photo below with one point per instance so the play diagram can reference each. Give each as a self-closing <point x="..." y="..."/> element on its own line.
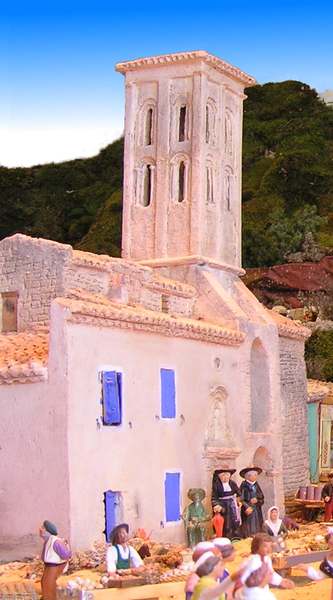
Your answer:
<point x="162" y="192"/>
<point x="198" y="171"/>
<point x="128" y="186"/>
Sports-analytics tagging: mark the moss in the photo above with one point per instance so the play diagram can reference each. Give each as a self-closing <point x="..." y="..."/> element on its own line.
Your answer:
<point x="319" y="355"/>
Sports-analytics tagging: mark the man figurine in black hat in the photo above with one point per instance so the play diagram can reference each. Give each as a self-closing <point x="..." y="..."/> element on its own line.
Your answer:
<point x="120" y="555"/>
<point x="252" y="499"/>
<point x="225" y="493"/>
<point x="55" y="555"/>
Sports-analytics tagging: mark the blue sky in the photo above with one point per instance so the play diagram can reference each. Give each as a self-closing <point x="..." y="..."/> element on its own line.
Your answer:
<point x="61" y="97"/>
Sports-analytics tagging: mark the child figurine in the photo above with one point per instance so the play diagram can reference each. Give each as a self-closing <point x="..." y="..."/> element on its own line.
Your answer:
<point x="218" y="521"/>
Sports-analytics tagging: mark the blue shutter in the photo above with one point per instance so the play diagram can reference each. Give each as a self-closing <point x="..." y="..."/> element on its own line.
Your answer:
<point x="168" y="394"/>
<point x="111" y="382"/>
<point x="110" y="512"/>
<point x="172" y="496"/>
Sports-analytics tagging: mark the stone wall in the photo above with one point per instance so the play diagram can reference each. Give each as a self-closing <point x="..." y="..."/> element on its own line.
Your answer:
<point x="33" y="269"/>
<point x="294" y="414"/>
<point x="39" y="270"/>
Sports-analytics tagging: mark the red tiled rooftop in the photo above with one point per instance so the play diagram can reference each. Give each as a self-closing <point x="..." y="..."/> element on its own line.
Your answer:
<point x="23" y="356"/>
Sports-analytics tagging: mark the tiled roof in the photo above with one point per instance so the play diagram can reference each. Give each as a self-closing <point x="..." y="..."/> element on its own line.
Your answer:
<point x="289" y="328"/>
<point x="23" y="357"/>
<point x="186" y="57"/>
<point x="90" y="310"/>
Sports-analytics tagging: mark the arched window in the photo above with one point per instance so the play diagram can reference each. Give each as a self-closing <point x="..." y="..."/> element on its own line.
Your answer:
<point x="149" y="127"/>
<point x="145" y="123"/>
<point x="182" y="123"/>
<point x="260" y="388"/>
<point x="179" y="178"/>
<point x="147" y="185"/>
<point x="181" y="181"/>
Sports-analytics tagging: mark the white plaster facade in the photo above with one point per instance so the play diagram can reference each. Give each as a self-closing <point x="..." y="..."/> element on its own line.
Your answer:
<point x="174" y="301"/>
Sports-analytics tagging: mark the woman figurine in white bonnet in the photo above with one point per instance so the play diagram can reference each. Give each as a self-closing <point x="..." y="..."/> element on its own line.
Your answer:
<point x="274" y="525"/>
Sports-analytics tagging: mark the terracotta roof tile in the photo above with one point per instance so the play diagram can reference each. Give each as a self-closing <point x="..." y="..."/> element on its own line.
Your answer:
<point x="288" y="327"/>
<point x="114" y="314"/>
<point x="23" y="357"/>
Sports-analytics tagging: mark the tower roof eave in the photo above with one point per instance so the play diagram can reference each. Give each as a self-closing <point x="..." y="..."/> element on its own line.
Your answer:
<point x="187" y="57"/>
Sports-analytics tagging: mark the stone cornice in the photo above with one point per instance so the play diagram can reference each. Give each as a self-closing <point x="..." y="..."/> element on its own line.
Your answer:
<point x="288" y="328"/>
<point x="301" y="333"/>
<point x="192" y="260"/>
<point x="170" y="286"/>
<point x="137" y="319"/>
<point x="187" y="57"/>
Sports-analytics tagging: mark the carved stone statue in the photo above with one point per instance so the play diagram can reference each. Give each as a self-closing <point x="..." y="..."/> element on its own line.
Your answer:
<point x="218" y="433"/>
<point x="195" y="517"/>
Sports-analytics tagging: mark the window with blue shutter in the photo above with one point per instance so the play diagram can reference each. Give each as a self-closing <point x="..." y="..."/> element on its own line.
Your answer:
<point x="112" y="512"/>
<point x="168" y="394"/>
<point x="112" y="397"/>
<point x="172" y="496"/>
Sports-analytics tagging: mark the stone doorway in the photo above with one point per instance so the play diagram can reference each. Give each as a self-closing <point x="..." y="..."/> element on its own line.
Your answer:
<point x="262" y="459"/>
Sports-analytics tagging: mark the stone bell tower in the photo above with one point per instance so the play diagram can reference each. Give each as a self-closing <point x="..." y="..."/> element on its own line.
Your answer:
<point x="182" y="162"/>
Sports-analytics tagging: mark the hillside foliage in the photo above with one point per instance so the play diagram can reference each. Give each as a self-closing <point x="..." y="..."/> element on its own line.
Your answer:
<point x="287" y="183"/>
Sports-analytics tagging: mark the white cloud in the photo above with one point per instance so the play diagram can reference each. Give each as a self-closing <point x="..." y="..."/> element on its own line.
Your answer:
<point x="24" y="147"/>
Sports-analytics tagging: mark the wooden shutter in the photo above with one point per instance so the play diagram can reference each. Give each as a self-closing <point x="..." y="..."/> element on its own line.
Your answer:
<point x="168" y="394"/>
<point x="172" y="496"/>
<point x="111" y="382"/>
<point x="110" y="513"/>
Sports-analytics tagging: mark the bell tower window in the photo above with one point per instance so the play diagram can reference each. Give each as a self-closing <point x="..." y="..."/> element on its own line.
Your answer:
<point x="147" y="185"/>
<point x="149" y="127"/>
<point x="182" y="124"/>
<point x="181" y="182"/>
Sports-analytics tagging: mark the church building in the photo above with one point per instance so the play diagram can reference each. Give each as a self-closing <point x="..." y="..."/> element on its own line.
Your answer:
<point x="126" y="381"/>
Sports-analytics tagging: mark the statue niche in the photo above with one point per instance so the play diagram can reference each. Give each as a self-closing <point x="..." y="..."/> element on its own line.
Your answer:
<point x="218" y="433"/>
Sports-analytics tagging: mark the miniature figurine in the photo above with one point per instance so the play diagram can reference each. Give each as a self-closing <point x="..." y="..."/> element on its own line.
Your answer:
<point x="55" y="555"/>
<point x="193" y="578"/>
<point x="273" y="525"/>
<point x="252" y="499"/>
<point x="225" y="493"/>
<point x="218" y="521"/>
<point x="326" y="566"/>
<point x="195" y="517"/>
<point x="120" y="555"/>
<point x="227" y="551"/>
<point x="258" y="573"/>
<point x="327" y="496"/>
<point x="210" y="569"/>
<point x="275" y="528"/>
